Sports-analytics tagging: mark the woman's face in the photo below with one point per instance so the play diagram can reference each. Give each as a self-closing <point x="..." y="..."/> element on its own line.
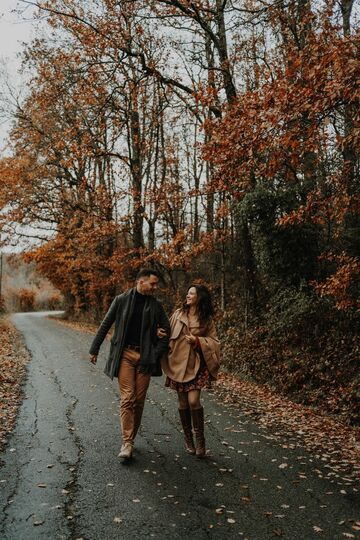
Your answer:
<point x="191" y="297"/>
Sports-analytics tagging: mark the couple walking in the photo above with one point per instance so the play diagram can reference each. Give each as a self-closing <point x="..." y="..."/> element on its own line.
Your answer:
<point x="144" y="341"/>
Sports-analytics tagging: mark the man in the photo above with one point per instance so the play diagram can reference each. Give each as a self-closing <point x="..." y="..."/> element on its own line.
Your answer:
<point x="135" y="349"/>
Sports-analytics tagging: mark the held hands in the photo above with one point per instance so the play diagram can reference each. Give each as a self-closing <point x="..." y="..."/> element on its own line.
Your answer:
<point x="93" y="358"/>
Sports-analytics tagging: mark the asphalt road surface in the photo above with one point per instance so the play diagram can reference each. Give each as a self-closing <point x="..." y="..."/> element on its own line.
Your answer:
<point x="61" y="477"/>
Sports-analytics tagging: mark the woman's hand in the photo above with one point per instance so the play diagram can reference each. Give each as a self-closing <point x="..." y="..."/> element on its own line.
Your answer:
<point x="161" y="333"/>
<point x="191" y="339"/>
<point x="93" y="358"/>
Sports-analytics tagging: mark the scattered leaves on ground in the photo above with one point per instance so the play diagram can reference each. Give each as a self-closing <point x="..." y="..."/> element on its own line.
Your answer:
<point x="13" y="360"/>
<point x="338" y="445"/>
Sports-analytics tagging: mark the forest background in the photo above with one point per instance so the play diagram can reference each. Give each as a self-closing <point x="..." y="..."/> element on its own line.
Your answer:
<point x="216" y="141"/>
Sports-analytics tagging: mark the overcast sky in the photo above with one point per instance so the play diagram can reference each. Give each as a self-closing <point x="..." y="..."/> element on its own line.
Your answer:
<point x="14" y="30"/>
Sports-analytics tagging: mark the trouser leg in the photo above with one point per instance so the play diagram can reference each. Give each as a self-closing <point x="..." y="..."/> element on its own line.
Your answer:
<point x="142" y="384"/>
<point x="127" y="378"/>
<point x="133" y="386"/>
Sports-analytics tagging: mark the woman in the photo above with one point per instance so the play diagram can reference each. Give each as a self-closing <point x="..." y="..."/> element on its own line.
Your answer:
<point x="192" y="361"/>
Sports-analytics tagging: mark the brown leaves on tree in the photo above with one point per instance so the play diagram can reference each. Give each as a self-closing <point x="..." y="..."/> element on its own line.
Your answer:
<point x="288" y="130"/>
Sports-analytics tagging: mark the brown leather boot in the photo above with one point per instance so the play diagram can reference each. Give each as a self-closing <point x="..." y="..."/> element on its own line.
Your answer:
<point x="198" y="423"/>
<point x="185" y="417"/>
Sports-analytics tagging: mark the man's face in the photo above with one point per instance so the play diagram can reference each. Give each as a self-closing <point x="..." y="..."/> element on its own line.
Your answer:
<point x="147" y="285"/>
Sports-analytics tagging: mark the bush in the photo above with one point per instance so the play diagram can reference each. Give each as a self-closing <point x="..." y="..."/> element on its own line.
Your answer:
<point x="294" y="312"/>
<point x="26" y="300"/>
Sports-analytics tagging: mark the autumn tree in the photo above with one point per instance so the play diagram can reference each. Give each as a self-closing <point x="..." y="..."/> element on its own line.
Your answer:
<point x="285" y="140"/>
<point x="125" y="95"/>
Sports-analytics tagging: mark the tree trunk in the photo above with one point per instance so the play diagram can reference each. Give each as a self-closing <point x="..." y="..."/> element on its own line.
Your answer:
<point x="222" y="49"/>
<point x="249" y="265"/>
<point x="136" y="177"/>
<point x="346" y="8"/>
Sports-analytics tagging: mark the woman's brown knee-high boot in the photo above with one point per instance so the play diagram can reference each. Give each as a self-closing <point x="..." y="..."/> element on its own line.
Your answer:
<point x="185" y="417"/>
<point x="198" y="423"/>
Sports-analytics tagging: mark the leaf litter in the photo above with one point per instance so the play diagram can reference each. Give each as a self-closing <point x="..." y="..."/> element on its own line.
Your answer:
<point x="334" y="443"/>
<point x="13" y="360"/>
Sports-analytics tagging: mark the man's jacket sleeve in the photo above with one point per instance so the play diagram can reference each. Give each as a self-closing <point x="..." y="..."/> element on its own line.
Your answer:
<point x="104" y="327"/>
<point x="163" y="322"/>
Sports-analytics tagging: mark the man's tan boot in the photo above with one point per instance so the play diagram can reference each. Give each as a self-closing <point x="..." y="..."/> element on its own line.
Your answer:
<point x="126" y="451"/>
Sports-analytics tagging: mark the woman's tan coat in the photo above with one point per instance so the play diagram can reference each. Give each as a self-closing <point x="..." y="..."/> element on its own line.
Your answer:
<point x="183" y="361"/>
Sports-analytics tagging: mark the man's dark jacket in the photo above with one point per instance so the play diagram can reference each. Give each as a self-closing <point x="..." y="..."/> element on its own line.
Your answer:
<point x="151" y="347"/>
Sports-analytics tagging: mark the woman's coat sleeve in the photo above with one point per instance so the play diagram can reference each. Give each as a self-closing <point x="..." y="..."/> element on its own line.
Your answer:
<point x="210" y="347"/>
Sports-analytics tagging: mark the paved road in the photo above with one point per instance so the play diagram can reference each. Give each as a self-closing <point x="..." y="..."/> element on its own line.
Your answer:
<point x="61" y="477"/>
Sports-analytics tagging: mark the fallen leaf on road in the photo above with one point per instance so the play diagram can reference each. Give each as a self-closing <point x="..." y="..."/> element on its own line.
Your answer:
<point x="317" y="529"/>
<point x="117" y="520"/>
<point x="42" y="485"/>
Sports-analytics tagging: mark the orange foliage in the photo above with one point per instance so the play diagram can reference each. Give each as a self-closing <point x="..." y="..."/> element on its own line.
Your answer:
<point x="26" y="299"/>
<point x="339" y="284"/>
<point x="291" y="129"/>
<point x="96" y="159"/>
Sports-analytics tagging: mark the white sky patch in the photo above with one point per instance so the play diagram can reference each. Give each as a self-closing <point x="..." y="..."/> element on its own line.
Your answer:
<point x="15" y="30"/>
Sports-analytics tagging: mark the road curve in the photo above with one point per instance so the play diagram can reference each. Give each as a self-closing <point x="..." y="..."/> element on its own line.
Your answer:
<point x="61" y="478"/>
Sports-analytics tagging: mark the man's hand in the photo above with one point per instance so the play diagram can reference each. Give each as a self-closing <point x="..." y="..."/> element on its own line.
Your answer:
<point x="161" y="333"/>
<point x="93" y="358"/>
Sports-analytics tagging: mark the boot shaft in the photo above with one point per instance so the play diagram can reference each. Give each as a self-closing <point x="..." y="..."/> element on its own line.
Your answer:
<point x="198" y="423"/>
<point x="185" y="417"/>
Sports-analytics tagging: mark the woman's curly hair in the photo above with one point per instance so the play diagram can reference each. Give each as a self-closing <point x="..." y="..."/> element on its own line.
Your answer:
<point x="204" y="306"/>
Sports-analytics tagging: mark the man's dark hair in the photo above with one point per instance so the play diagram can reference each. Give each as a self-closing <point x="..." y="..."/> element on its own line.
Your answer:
<point x="147" y="272"/>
